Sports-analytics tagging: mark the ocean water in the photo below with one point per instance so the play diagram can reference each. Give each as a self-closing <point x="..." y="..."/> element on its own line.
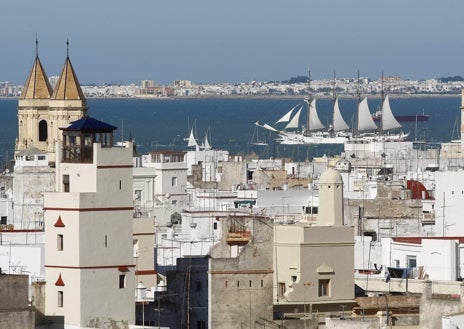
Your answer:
<point x="229" y="122"/>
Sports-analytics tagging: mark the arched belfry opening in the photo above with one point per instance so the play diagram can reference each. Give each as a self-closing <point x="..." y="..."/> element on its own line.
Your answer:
<point x="79" y="137"/>
<point x="43" y="131"/>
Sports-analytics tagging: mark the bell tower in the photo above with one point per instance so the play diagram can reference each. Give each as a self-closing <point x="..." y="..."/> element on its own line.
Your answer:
<point x="67" y="103"/>
<point x="33" y="108"/>
<point x="42" y="111"/>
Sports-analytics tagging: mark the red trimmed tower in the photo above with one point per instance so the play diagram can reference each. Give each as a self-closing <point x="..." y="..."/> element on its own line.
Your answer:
<point x="88" y="230"/>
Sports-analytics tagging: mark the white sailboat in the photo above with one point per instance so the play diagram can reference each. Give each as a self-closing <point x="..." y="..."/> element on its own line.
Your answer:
<point x="191" y="141"/>
<point x="206" y="144"/>
<point x="255" y="138"/>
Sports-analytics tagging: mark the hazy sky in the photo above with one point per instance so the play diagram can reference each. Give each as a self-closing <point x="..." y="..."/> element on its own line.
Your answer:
<point x="234" y="41"/>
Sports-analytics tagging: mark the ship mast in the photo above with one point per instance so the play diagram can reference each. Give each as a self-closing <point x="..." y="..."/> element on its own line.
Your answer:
<point x="382" y="98"/>
<point x="308" y="100"/>
<point x="334" y="98"/>
<point x="358" y="95"/>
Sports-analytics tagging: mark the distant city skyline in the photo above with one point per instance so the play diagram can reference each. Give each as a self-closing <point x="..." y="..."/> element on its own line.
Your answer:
<point x="213" y="42"/>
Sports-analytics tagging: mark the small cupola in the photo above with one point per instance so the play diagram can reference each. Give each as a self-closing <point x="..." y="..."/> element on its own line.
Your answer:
<point x="80" y="135"/>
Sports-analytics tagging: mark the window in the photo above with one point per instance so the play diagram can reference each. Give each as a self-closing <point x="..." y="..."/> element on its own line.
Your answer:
<point x="106" y="241"/>
<point x="43" y="133"/>
<point x="41" y="157"/>
<point x="324" y="287"/>
<point x="65" y="183"/>
<point x="60" y="298"/>
<point x="310" y="210"/>
<point x="249" y="284"/>
<point x="214" y="226"/>
<point x="201" y="324"/>
<point x="262" y="283"/>
<point x="122" y="281"/>
<point x="3" y="220"/>
<point x="174" y="181"/>
<point x="281" y="291"/>
<point x="135" y="244"/>
<point x="59" y="242"/>
<point x="238" y="283"/>
<point x="120" y="184"/>
<point x="411" y="261"/>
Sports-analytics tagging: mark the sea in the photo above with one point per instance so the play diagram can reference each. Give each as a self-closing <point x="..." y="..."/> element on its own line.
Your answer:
<point x="160" y="124"/>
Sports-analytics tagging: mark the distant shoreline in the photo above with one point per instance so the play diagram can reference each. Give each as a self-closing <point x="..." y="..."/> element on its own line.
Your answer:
<point x="263" y="96"/>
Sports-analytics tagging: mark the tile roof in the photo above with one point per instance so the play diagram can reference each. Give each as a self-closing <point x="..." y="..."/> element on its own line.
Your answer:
<point x="37" y="85"/>
<point x="89" y="124"/>
<point x="68" y="87"/>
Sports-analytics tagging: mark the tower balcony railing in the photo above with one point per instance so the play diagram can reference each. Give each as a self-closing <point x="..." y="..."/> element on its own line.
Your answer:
<point x="78" y="154"/>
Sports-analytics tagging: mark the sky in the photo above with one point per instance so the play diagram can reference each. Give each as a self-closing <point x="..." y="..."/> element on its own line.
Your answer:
<point x="213" y="41"/>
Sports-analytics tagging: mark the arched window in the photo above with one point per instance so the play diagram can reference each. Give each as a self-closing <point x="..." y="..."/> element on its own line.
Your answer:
<point x="43" y="131"/>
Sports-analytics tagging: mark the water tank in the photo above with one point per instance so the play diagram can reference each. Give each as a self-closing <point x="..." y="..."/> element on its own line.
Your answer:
<point x="141" y="291"/>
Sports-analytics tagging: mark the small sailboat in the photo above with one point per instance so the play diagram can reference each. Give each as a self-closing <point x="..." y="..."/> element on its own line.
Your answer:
<point x="206" y="144"/>
<point x="191" y="141"/>
<point x="255" y="139"/>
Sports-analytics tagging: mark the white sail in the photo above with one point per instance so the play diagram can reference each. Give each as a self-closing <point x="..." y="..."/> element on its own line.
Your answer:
<point x="268" y="127"/>
<point x="207" y="146"/>
<point x="295" y="120"/>
<point x="287" y="116"/>
<point x="314" y="121"/>
<point x="339" y="123"/>
<point x="191" y="140"/>
<point x="388" y="119"/>
<point x="365" y="120"/>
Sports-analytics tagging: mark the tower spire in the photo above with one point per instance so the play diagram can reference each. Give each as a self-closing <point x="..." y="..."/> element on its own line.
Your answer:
<point x="36" y="45"/>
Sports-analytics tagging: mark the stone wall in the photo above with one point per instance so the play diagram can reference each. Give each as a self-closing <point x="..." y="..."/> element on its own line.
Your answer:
<point x="240" y="277"/>
<point x="14" y="292"/>
<point x="17" y="319"/>
<point x="435" y="305"/>
<point x="15" y="312"/>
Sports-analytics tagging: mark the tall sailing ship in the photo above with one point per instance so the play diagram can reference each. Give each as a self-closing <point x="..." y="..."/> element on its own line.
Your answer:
<point x="364" y="131"/>
<point x="314" y="132"/>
